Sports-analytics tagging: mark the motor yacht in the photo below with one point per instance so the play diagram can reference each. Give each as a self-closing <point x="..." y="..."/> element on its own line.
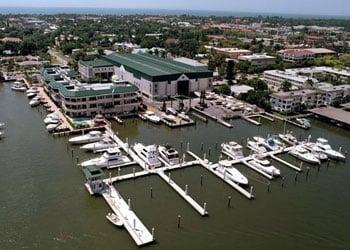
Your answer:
<point x="304" y="122"/>
<point x="111" y="158"/>
<point x="149" y="154"/>
<point x="323" y="145"/>
<point x="231" y="173"/>
<point x="32" y="90"/>
<point x="233" y="149"/>
<point x="169" y="155"/>
<point x="18" y="86"/>
<point x="99" y="146"/>
<point x="288" y="138"/>
<point x="52" y="119"/>
<point x="265" y="166"/>
<point x="152" y="117"/>
<point x="169" y="118"/>
<point x="92" y="136"/>
<point x="316" y="151"/>
<point x="171" y="111"/>
<point x="303" y="154"/>
<point x="256" y="147"/>
<point x="35" y="102"/>
<point x="31" y="95"/>
<point x="271" y="143"/>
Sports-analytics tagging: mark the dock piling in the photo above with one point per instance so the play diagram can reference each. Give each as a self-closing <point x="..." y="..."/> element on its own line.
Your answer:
<point x="178" y="221"/>
<point x="133" y="171"/>
<point x="151" y="192"/>
<point x="186" y="189"/>
<point x="119" y="171"/>
<point x="209" y="151"/>
<point x="251" y="190"/>
<point x="202" y="145"/>
<point x="129" y="203"/>
<point x="72" y="153"/>
<point x="216" y="145"/>
<point x="229" y="201"/>
<point x="268" y="187"/>
<point x="201" y="180"/>
<point x="188" y="146"/>
<point x="77" y="159"/>
<point x="307" y="172"/>
<point x="282" y="185"/>
<point x="296" y="176"/>
<point x="153" y="233"/>
<point x="205" y="207"/>
<point x="169" y="175"/>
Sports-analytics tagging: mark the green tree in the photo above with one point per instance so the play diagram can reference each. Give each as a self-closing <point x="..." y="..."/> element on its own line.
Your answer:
<point x="286" y="85"/>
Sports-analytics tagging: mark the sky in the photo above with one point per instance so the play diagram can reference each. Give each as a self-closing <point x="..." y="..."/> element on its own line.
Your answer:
<point x="315" y="7"/>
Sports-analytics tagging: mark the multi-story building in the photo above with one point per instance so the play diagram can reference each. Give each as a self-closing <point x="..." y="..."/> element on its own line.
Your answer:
<point x="79" y="99"/>
<point x="258" y="59"/>
<point x="156" y="77"/>
<point x="96" y="69"/>
<point x="301" y="55"/>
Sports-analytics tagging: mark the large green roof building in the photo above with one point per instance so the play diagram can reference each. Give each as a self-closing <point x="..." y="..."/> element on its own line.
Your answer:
<point x="156" y="77"/>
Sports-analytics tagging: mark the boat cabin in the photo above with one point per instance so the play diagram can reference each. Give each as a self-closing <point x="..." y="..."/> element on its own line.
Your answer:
<point x="94" y="177"/>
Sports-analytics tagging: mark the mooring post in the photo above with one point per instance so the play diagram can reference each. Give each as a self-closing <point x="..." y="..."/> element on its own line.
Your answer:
<point x="129" y="203"/>
<point x="152" y="233"/>
<point x="205" y="207"/>
<point x="202" y="145"/>
<point x="229" y="201"/>
<point x="151" y="192"/>
<point x="169" y="176"/>
<point x="251" y="190"/>
<point x="209" y="151"/>
<point x="268" y="187"/>
<point x="178" y="221"/>
<point x="282" y="182"/>
<point x="296" y="176"/>
<point x="186" y="189"/>
<point x="201" y="180"/>
<point x="119" y="171"/>
<point x="188" y="146"/>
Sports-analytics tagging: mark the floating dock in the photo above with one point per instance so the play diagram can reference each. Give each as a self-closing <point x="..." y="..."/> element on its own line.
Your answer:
<point x="131" y="222"/>
<point x="285" y="163"/>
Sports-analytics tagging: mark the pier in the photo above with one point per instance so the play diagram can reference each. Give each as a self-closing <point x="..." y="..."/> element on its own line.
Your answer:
<point x="131" y="222"/>
<point x="285" y="163"/>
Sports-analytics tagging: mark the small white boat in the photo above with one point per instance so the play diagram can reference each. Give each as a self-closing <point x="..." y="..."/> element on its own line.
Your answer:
<point x="112" y="157"/>
<point x="148" y="154"/>
<point x="171" y="111"/>
<point x="114" y="219"/>
<point x="52" y="127"/>
<point x="51" y="120"/>
<point x="265" y="166"/>
<point x="34" y="102"/>
<point x="32" y="90"/>
<point x="304" y="122"/>
<point x="169" y="155"/>
<point x="256" y="147"/>
<point x="169" y="118"/>
<point x="2" y="125"/>
<point x="303" y="154"/>
<point x="18" y="86"/>
<point x="92" y="136"/>
<point x="152" y="117"/>
<point x="99" y="146"/>
<point x="288" y="138"/>
<point x="323" y="145"/>
<point x="270" y="143"/>
<point x="184" y="117"/>
<point x="31" y="95"/>
<point x="231" y="173"/>
<point x="233" y="149"/>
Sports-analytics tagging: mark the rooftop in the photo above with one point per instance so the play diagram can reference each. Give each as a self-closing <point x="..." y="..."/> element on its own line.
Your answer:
<point x="338" y="115"/>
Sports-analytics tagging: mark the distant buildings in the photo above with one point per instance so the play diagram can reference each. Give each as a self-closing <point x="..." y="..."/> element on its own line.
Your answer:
<point x="79" y="99"/>
<point x="10" y="40"/>
<point x="156" y="77"/>
<point x="232" y="53"/>
<point x="301" y="55"/>
<point x="292" y="101"/>
<point x="258" y="59"/>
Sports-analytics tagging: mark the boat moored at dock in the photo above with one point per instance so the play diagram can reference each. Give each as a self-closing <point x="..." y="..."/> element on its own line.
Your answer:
<point x="114" y="219"/>
<point x="323" y="145"/>
<point x="288" y="138"/>
<point x="169" y="155"/>
<point x="264" y="165"/>
<point x="152" y="117"/>
<point x="233" y="149"/>
<point x="149" y="154"/>
<point x="92" y="136"/>
<point x="303" y="154"/>
<point x="225" y="168"/>
<point x="113" y="157"/>
<point x="99" y="146"/>
<point x="18" y="86"/>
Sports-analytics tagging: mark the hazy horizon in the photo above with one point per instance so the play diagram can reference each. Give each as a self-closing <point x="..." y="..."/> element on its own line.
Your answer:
<point x="299" y="7"/>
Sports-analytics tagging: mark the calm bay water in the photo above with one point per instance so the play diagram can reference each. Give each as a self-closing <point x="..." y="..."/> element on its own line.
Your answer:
<point x="44" y="205"/>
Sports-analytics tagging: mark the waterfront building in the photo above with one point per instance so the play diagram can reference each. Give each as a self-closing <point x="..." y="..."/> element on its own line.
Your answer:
<point x="79" y="99"/>
<point x="156" y="77"/>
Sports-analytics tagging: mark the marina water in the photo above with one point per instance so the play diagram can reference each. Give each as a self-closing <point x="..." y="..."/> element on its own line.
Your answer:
<point x="44" y="204"/>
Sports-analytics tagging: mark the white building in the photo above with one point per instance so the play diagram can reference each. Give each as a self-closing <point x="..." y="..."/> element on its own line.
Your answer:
<point x="258" y="59"/>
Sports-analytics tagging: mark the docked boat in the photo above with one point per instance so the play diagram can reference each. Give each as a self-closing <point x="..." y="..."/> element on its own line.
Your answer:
<point x="152" y="117"/>
<point x="112" y="157"/>
<point x="114" y="219"/>
<point x="316" y="151"/>
<point x="2" y="125"/>
<point x="184" y="117"/>
<point x="18" y="86"/>
<point x="32" y="90"/>
<point x="31" y="95"/>
<point x="231" y="173"/>
<point x="304" y="122"/>
<point x="323" y="145"/>
<point x="92" y="136"/>
<point x="288" y="138"/>
<point x="51" y="120"/>
<point x="265" y="166"/>
<point x="35" y="102"/>
<point x="148" y="154"/>
<point x="53" y="127"/>
<point x="171" y="111"/>
<point x="169" y="155"/>
<point x="99" y="146"/>
<point x="303" y="154"/>
<point x="233" y="149"/>
<point x="169" y="118"/>
<point x="256" y="147"/>
<point x="270" y="143"/>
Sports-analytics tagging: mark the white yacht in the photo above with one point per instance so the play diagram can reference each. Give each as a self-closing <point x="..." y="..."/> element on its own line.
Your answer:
<point x="169" y="154"/>
<point x="148" y="154"/>
<point x="270" y="143"/>
<point x="171" y="111"/>
<point x="304" y="122"/>
<point x="303" y="154"/>
<point x="32" y="90"/>
<point x="51" y="120"/>
<point x="169" y="118"/>
<point x="18" y="86"/>
<point x="231" y="173"/>
<point x="112" y="157"/>
<point x="256" y="147"/>
<point x="52" y="127"/>
<point x="31" y="95"/>
<point x="35" y="102"/>
<point x="92" y="136"/>
<point x="323" y="145"/>
<point x="152" y="117"/>
<point x="233" y="149"/>
<point x="288" y="138"/>
<point x="265" y="166"/>
<point x="99" y="146"/>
